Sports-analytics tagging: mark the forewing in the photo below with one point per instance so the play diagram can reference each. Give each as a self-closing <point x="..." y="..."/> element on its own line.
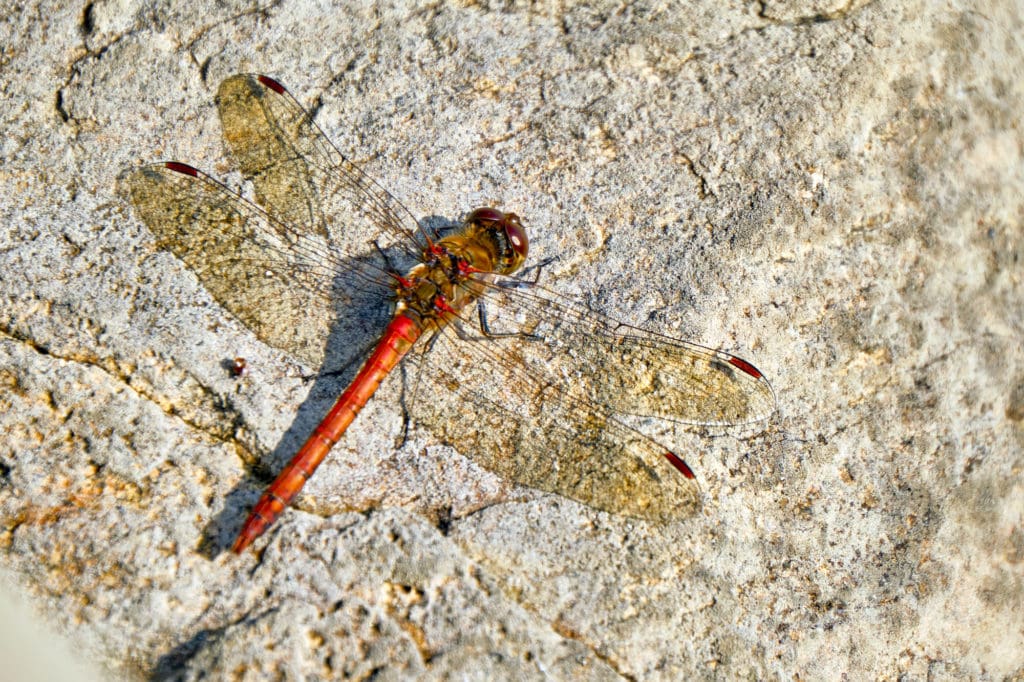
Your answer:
<point x="283" y="284"/>
<point x="630" y="370"/>
<point x="299" y="176"/>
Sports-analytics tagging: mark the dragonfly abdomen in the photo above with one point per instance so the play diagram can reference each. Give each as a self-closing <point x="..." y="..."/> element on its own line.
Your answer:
<point x="398" y="338"/>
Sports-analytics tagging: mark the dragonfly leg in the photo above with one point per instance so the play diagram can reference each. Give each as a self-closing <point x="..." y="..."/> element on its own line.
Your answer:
<point x="485" y="329"/>
<point x="521" y="282"/>
<point x="404" y="402"/>
<point x="411" y="387"/>
<point x="391" y="269"/>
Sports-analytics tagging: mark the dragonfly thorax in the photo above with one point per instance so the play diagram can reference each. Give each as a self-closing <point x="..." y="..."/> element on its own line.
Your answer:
<point x="454" y="269"/>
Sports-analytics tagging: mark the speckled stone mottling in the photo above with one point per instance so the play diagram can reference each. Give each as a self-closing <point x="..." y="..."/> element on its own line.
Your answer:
<point x="832" y="190"/>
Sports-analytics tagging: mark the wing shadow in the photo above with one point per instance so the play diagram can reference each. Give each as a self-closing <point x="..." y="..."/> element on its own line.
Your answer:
<point x="354" y="333"/>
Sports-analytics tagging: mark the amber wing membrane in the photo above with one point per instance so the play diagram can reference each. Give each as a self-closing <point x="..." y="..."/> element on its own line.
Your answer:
<point x="542" y="400"/>
<point x="630" y="370"/>
<point x="309" y="264"/>
<point x="238" y="256"/>
<point x="301" y="178"/>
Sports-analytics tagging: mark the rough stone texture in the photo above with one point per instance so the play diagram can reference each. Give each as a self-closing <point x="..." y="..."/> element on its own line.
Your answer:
<point x="833" y="190"/>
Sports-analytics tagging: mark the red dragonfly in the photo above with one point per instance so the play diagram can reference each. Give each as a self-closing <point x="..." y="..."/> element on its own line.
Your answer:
<point x="532" y="386"/>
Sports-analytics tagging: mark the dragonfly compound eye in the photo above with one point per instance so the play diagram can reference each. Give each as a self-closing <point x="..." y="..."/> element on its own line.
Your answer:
<point x="485" y="215"/>
<point x="516" y="234"/>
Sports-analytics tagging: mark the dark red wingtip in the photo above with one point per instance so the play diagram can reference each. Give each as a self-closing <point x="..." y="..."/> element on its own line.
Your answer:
<point x="745" y="366"/>
<point x="272" y="84"/>
<point x="183" y="168"/>
<point x="684" y="469"/>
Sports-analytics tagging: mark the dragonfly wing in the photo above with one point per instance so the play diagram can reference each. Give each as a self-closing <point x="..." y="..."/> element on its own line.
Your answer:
<point x="301" y="178"/>
<point x="541" y="437"/>
<point x="628" y="369"/>
<point x="281" y="284"/>
<point x="545" y="438"/>
<point x="542" y="400"/>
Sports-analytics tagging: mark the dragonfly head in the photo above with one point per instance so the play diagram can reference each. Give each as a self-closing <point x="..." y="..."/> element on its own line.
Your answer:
<point x="508" y="233"/>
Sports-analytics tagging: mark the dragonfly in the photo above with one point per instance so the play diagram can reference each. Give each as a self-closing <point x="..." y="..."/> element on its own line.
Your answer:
<point x="531" y="385"/>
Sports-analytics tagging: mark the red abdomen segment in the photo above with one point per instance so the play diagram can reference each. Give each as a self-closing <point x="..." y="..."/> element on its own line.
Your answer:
<point x="398" y="338"/>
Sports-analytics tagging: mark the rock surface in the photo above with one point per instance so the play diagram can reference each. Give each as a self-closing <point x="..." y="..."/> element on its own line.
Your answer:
<point x="833" y="190"/>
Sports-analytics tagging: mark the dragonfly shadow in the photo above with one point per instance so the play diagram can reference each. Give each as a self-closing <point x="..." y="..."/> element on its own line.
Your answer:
<point x="363" y="309"/>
